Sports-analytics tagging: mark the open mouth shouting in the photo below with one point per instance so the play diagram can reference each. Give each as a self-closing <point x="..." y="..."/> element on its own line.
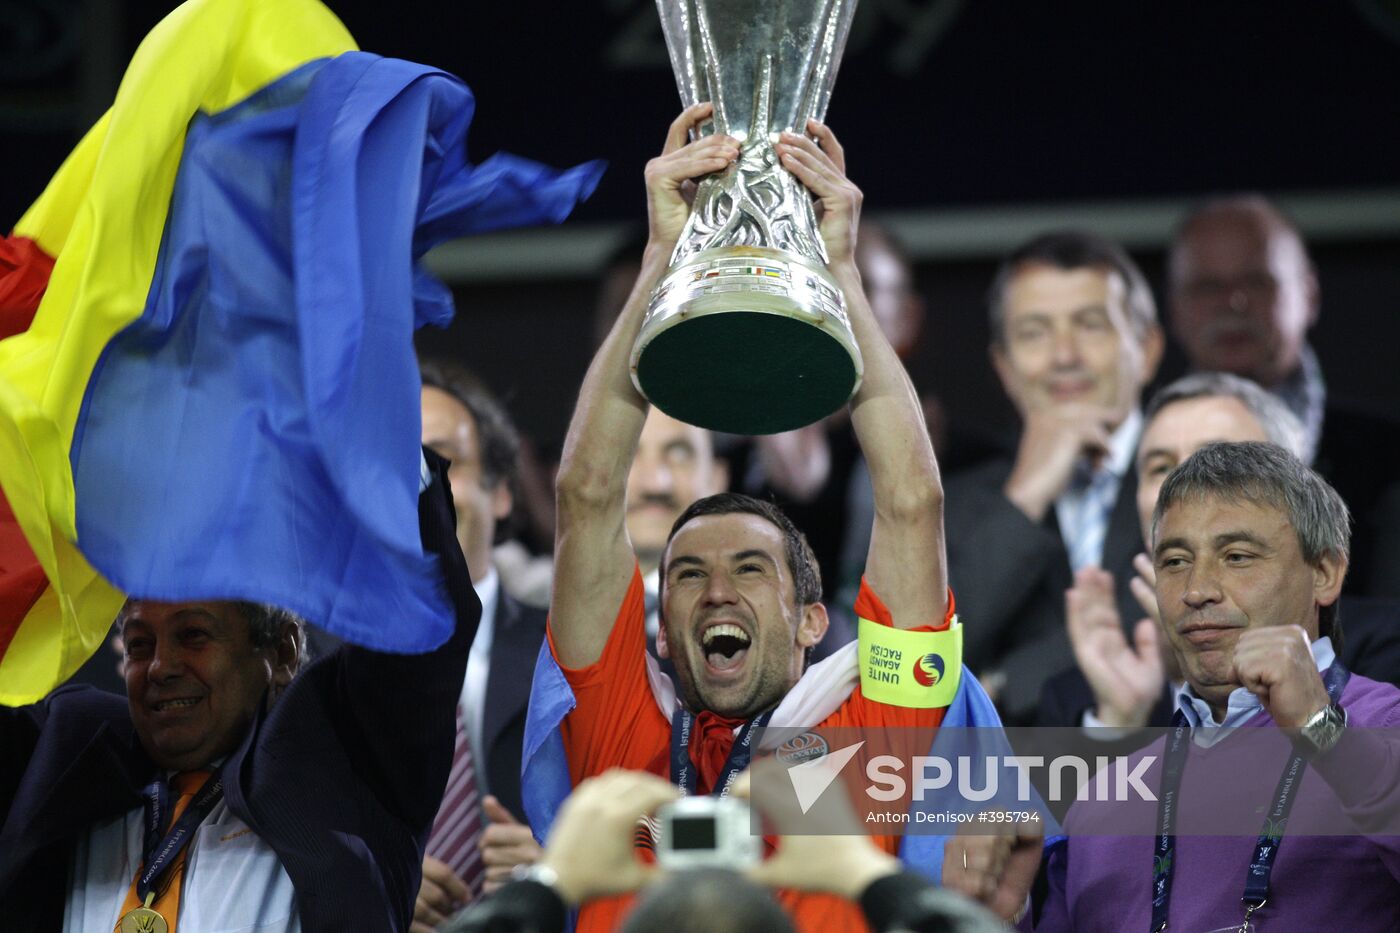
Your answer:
<point x="725" y="646"/>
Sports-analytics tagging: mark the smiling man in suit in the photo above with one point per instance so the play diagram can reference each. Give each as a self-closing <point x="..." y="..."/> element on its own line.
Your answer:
<point x="478" y="835"/>
<point x="269" y="796"/>
<point x="1074" y="341"/>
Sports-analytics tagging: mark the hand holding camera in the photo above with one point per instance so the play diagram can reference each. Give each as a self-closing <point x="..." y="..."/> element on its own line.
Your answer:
<point x="842" y="864"/>
<point x="590" y="850"/>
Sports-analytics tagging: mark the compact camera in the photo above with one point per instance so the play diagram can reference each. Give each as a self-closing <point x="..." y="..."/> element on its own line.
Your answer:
<point x="707" y="832"/>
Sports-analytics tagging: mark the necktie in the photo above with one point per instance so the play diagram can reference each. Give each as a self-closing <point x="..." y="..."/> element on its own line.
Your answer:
<point x="710" y="748"/>
<point x="167" y="903"/>
<point x="459" y="824"/>
<point x="1091" y="520"/>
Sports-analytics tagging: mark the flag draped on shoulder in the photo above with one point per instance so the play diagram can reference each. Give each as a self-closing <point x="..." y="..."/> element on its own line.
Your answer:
<point x="217" y="396"/>
<point x="971" y="709"/>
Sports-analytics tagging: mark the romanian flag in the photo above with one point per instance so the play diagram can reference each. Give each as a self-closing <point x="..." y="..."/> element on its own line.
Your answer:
<point x="217" y="396"/>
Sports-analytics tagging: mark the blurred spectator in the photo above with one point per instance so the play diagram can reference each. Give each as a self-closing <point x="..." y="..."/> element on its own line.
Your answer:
<point x="674" y="465"/>
<point x="1074" y="340"/>
<point x="524" y="560"/>
<point x="1244" y="294"/>
<point x="465" y="424"/>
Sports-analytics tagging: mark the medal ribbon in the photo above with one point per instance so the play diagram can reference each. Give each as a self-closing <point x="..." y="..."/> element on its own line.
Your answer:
<point x="684" y="773"/>
<point x="1261" y="867"/>
<point x="160" y="850"/>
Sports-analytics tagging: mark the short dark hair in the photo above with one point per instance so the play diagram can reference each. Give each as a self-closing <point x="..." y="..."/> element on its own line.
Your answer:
<point x="496" y="434"/>
<point x="1266" y="474"/>
<point x="1068" y="250"/>
<point x="802" y="563"/>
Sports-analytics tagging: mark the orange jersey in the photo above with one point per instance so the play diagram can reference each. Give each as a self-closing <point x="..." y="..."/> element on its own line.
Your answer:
<point x="616" y="723"/>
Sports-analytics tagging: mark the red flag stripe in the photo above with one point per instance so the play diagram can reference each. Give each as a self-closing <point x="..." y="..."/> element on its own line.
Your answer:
<point x="22" y="580"/>
<point x="24" y="275"/>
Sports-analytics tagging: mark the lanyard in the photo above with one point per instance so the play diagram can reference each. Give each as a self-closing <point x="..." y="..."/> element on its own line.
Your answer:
<point x="160" y="850"/>
<point x="683" y="771"/>
<point x="1261" y="866"/>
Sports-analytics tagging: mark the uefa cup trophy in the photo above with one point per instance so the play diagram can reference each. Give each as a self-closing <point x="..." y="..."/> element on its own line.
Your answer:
<point x="747" y="332"/>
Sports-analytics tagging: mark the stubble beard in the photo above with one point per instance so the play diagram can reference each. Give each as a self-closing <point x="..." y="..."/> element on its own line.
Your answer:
<point x="763" y="692"/>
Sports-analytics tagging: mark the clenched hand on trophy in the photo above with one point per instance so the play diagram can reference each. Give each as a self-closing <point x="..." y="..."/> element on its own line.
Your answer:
<point x="747" y="331"/>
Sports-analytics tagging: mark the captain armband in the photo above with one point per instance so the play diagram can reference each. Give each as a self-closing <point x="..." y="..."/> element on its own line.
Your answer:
<point x="919" y="670"/>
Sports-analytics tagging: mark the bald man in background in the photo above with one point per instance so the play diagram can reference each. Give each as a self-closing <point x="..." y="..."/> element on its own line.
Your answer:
<point x="1244" y="295"/>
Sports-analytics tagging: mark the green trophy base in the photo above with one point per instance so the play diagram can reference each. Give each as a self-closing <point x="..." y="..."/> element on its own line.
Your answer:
<point x="746" y="372"/>
<point x="747" y="340"/>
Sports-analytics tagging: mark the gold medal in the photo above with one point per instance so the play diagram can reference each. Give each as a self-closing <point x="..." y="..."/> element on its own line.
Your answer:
<point x="143" y="919"/>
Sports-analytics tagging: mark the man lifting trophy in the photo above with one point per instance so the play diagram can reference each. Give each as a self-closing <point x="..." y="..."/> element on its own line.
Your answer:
<point x="747" y="332"/>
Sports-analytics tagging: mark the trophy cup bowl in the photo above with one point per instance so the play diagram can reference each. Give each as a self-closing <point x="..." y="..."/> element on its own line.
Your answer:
<point x="747" y="332"/>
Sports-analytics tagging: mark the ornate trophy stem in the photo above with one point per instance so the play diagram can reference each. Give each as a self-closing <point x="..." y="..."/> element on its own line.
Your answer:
<point x="748" y="333"/>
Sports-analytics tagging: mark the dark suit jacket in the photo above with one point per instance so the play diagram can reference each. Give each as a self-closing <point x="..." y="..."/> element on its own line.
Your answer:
<point x="1009" y="576"/>
<point x="1359" y="454"/>
<point x="1370" y="637"/>
<point x="341" y="778"/>
<point x="514" y="648"/>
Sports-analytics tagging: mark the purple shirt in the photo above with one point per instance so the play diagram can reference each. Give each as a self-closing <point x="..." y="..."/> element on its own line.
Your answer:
<point x="1319" y="882"/>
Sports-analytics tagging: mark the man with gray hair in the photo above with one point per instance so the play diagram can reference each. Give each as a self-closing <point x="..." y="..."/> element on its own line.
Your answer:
<point x="1250" y="549"/>
<point x="1074" y="340"/>
<point x="229" y="789"/>
<point x="1120" y="682"/>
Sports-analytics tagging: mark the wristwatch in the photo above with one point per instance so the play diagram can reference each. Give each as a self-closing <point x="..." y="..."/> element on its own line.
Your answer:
<point x="537" y="904"/>
<point x="538" y="873"/>
<point x="1321" y="731"/>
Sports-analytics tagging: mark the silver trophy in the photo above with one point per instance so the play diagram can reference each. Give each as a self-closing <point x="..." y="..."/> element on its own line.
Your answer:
<point x="747" y="333"/>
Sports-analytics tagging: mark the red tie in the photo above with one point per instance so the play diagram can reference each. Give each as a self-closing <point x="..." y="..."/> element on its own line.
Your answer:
<point x="458" y="826"/>
<point x="714" y="739"/>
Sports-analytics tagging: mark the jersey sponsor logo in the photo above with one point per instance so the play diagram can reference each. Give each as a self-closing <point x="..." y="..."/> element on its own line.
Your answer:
<point x="801" y="749"/>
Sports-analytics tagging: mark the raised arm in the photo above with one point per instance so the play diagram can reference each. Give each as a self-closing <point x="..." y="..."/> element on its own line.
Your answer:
<point x="906" y="563"/>
<point x="592" y="555"/>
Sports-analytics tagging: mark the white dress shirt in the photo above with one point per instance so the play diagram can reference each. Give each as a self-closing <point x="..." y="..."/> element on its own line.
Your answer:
<point x="1086" y="510"/>
<point x="479" y="670"/>
<point x="233" y="880"/>
<point x="1241" y="704"/>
